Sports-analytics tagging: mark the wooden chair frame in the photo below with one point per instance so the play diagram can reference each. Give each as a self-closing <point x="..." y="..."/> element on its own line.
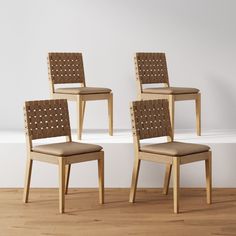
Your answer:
<point x="170" y="162"/>
<point x="63" y="163"/>
<point x="172" y="98"/>
<point x="80" y="99"/>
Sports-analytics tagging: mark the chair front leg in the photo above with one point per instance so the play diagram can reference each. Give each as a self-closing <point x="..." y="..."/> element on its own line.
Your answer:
<point x="101" y="178"/>
<point x="67" y="177"/>
<point x="62" y="166"/>
<point x="28" y="172"/>
<point x="176" y="180"/>
<point x="198" y="114"/>
<point x="167" y="178"/>
<point x="208" y="167"/>
<point x="79" y="116"/>
<point x="110" y="113"/>
<point x="134" y="179"/>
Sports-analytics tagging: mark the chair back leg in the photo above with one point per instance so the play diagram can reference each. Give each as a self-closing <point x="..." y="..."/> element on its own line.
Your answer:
<point x="167" y="178"/>
<point x="172" y="116"/>
<point x="28" y="172"/>
<point x="83" y="112"/>
<point x="208" y="167"/>
<point x="79" y="117"/>
<point x="61" y="184"/>
<point x="198" y="114"/>
<point x="67" y="177"/>
<point x="134" y="180"/>
<point x="101" y="178"/>
<point x="110" y="113"/>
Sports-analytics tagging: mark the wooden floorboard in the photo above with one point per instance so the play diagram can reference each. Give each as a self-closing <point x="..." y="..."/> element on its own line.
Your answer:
<point x="152" y="214"/>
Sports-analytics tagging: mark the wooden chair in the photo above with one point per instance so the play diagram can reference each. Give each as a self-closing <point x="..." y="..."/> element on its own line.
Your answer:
<point x="67" y="68"/>
<point x="151" y="119"/>
<point x="151" y="68"/>
<point x="48" y="119"/>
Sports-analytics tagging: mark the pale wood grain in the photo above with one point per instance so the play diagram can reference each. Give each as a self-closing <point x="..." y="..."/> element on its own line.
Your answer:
<point x="151" y="215"/>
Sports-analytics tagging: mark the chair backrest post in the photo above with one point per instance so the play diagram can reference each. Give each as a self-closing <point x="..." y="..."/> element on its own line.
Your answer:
<point x="51" y="84"/>
<point x="150" y="119"/>
<point x="138" y="81"/>
<point x="170" y="138"/>
<point x="68" y="138"/>
<point x="27" y="136"/>
<point x="46" y="119"/>
<point x="151" y="68"/>
<point x="83" y="84"/>
<point x="136" y="139"/>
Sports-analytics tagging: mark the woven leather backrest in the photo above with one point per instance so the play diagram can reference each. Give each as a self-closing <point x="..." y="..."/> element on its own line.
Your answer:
<point x="151" y="68"/>
<point x="47" y="118"/>
<point x="150" y="118"/>
<point x="65" y="68"/>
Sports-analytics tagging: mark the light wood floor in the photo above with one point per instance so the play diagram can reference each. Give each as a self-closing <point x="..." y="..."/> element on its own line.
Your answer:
<point x="152" y="214"/>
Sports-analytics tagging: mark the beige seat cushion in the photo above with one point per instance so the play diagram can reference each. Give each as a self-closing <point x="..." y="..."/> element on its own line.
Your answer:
<point x="171" y="90"/>
<point x="175" y="148"/>
<point x="67" y="148"/>
<point x="83" y="90"/>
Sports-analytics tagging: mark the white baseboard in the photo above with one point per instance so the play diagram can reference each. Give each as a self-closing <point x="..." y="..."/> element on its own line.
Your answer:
<point x="119" y="162"/>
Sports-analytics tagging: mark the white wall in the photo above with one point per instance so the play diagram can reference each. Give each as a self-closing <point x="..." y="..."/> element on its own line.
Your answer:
<point x="198" y="36"/>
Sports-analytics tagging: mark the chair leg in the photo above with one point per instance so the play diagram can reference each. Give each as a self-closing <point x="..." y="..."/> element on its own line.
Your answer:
<point x="79" y="117"/>
<point x="67" y="177"/>
<point x="134" y="180"/>
<point x="110" y="113"/>
<point x="176" y="180"/>
<point x="172" y="116"/>
<point x="61" y="185"/>
<point x="198" y="114"/>
<point x="208" y="168"/>
<point x="83" y="112"/>
<point x="167" y="178"/>
<point x="101" y="179"/>
<point x="28" y="172"/>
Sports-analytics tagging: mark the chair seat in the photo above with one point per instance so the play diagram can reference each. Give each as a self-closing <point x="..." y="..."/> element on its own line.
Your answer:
<point x="83" y="90"/>
<point x="175" y="148"/>
<point x="171" y="90"/>
<point x="66" y="148"/>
